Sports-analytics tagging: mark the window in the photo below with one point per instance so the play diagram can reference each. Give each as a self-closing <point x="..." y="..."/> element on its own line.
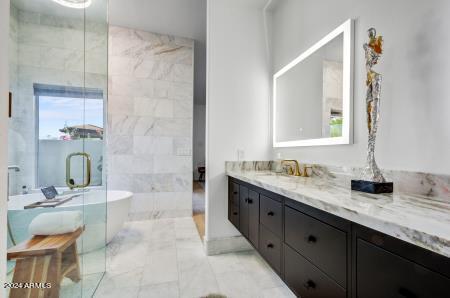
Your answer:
<point x="68" y="120"/>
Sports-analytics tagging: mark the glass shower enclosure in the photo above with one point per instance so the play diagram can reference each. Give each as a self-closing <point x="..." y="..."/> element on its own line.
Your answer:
<point x="57" y="207"/>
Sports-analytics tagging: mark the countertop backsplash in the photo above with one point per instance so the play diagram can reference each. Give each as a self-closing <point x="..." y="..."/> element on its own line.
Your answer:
<point x="433" y="186"/>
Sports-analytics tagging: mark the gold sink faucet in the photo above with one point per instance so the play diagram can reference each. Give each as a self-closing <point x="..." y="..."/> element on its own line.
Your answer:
<point x="295" y="172"/>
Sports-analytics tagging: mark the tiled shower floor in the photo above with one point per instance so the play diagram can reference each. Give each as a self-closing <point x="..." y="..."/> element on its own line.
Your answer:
<point x="165" y="258"/>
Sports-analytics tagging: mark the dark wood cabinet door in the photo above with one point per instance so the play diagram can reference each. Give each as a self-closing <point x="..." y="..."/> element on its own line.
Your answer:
<point x="271" y="215"/>
<point x="380" y="273"/>
<point x="234" y="193"/>
<point x="270" y="248"/>
<point x="319" y="242"/>
<point x="306" y="280"/>
<point x="233" y="215"/>
<point x="253" y="218"/>
<point x="243" y="210"/>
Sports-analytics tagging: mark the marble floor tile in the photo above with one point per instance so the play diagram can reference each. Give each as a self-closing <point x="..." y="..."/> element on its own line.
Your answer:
<point x="279" y="292"/>
<point x="166" y="290"/>
<point x="259" y="270"/>
<point x="127" y="259"/>
<point x="225" y="263"/>
<point x="165" y="258"/>
<point x="126" y="284"/>
<point x="129" y="292"/>
<point x="160" y="267"/>
<point x="237" y="284"/>
<point x="93" y="262"/>
<point x="197" y="280"/>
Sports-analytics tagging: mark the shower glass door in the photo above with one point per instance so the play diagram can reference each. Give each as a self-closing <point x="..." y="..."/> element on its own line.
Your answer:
<point x="58" y="82"/>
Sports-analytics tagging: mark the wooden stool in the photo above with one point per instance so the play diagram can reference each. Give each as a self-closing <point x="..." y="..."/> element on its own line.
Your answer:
<point x="45" y="259"/>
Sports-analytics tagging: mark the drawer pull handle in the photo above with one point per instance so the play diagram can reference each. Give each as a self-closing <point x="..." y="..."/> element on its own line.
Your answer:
<point x="270" y="213"/>
<point x="406" y="293"/>
<point x="250" y="201"/>
<point x="310" y="285"/>
<point x="235" y="213"/>
<point x="312" y="239"/>
<point x="270" y="245"/>
<point x="235" y="192"/>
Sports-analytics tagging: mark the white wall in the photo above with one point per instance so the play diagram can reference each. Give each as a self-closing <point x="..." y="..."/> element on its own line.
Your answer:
<point x="52" y="160"/>
<point x="237" y="100"/>
<point x="200" y="72"/>
<point x="198" y="148"/>
<point x="4" y="32"/>
<point x="415" y="126"/>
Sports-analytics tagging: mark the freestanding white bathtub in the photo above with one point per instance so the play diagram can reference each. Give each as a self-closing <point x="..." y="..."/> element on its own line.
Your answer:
<point x="101" y="224"/>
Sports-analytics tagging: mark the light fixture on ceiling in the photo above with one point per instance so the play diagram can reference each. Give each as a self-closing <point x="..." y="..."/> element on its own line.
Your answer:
<point x="79" y="4"/>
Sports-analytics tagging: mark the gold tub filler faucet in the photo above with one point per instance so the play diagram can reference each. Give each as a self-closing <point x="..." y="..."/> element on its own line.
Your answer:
<point x="70" y="181"/>
<point x="296" y="170"/>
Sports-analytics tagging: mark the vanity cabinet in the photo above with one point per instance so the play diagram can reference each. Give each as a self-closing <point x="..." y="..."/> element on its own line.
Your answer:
<point x="243" y="212"/>
<point x="233" y="203"/>
<point x="399" y="277"/>
<point x="249" y="214"/>
<point x="387" y="267"/>
<point x="306" y="280"/>
<point x="271" y="215"/>
<point x="319" y="254"/>
<point x="270" y="248"/>
<point x="322" y="244"/>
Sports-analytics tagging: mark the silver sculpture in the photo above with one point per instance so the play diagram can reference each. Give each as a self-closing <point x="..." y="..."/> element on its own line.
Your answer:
<point x="373" y="49"/>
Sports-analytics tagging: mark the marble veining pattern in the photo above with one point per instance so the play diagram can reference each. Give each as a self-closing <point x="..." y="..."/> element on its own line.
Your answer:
<point x="414" y="218"/>
<point x="432" y="186"/>
<point x="150" y="121"/>
<point x="166" y="258"/>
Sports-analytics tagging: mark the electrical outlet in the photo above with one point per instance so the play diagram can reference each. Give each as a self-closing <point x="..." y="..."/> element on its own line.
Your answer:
<point x="240" y="154"/>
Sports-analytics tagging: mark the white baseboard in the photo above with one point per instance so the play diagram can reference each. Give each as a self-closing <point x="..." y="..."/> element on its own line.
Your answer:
<point x="226" y="245"/>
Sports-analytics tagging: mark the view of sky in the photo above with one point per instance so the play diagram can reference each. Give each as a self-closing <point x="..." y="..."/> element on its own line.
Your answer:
<point x="56" y="112"/>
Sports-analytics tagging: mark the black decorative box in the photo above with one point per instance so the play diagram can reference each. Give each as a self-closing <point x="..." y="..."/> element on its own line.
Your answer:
<point x="372" y="187"/>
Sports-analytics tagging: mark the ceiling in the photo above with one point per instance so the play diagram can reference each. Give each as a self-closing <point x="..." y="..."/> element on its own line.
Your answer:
<point x="97" y="11"/>
<point x="185" y="18"/>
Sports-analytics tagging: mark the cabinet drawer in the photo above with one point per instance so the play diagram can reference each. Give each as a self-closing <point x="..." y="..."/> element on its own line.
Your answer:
<point x="234" y="193"/>
<point x="270" y="247"/>
<point x="271" y="214"/>
<point x="380" y="273"/>
<point x="306" y="280"/>
<point x="233" y="215"/>
<point x="322" y="244"/>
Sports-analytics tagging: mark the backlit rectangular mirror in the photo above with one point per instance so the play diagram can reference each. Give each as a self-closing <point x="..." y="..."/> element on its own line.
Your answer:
<point x="312" y="95"/>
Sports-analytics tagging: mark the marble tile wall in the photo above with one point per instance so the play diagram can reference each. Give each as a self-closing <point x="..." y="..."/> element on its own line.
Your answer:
<point x="49" y="50"/>
<point x="150" y="114"/>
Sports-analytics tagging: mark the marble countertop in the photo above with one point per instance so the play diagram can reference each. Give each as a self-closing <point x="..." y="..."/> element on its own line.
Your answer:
<point x="412" y="218"/>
